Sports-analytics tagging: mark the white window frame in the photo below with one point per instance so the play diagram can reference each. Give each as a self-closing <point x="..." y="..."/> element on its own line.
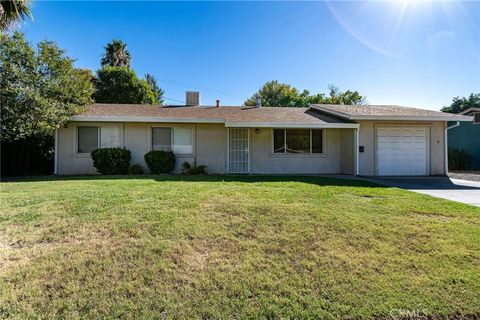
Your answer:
<point x="310" y="154"/>
<point x="99" y="132"/>
<point x="172" y="128"/>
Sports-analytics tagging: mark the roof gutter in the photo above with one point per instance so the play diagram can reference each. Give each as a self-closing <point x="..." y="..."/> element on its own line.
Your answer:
<point x="412" y="118"/>
<point x="346" y="116"/>
<point x="81" y="118"/>
<point x="253" y="124"/>
<point x="228" y="124"/>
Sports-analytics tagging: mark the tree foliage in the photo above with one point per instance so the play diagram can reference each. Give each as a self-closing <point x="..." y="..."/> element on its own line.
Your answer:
<point x="40" y="88"/>
<point x="12" y="11"/>
<point x="157" y="91"/>
<point x="277" y="94"/>
<point x="347" y="97"/>
<point x="121" y="85"/>
<point x="116" y="55"/>
<point x="461" y="104"/>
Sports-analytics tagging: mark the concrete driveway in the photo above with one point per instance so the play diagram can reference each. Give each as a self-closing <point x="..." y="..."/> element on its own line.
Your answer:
<point x="441" y="187"/>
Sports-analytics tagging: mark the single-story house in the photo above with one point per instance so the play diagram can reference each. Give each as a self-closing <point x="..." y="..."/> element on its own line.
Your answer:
<point x="321" y="139"/>
<point x="466" y="136"/>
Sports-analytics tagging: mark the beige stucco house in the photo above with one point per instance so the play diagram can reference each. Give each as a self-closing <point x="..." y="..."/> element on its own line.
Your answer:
<point x="322" y="139"/>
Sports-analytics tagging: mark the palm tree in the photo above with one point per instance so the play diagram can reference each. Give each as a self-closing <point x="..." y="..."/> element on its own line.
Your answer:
<point x="116" y="55"/>
<point x="12" y="11"/>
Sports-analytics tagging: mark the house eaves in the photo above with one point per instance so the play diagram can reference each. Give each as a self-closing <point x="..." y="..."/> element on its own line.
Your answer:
<point x="435" y="116"/>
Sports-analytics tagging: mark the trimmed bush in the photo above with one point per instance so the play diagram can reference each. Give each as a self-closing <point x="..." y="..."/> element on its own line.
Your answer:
<point x="189" y="169"/>
<point x="111" y="160"/>
<point x="135" y="169"/>
<point x="458" y="159"/>
<point x="160" y="161"/>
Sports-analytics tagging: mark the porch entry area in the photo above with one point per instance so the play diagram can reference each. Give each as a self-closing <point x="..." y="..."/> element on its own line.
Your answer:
<point x="238" y="150"/>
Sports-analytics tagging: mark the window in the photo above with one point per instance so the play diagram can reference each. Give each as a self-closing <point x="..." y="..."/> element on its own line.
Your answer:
<point x="162" y="139"/>
<point x="278" y="141"/>
<point x="87" y="139"/>
<point x="179" y="140"/>
<point x="476" y="118"/>
<point x="317" y="141"/>
<point x="109" y="137"/>
<point x="182" y="141"/>
<point x="92" y="137"/>
<point x="300" y="141"/>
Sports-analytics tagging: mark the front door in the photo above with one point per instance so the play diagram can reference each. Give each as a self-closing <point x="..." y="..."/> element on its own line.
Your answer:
<point x="238" y="145"/>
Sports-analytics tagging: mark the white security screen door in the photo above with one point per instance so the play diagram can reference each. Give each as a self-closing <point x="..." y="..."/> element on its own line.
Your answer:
<point x="238" y="150"/>
<point x="402" y="151"/>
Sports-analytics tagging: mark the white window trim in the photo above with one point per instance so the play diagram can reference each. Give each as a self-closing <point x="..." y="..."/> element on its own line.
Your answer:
<point x="99" y="129"/>
<point x="177" y="155"/>
<point x="323" y="154"/>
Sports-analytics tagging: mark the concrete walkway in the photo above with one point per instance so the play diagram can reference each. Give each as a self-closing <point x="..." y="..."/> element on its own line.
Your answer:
<point x="441" y="187"/>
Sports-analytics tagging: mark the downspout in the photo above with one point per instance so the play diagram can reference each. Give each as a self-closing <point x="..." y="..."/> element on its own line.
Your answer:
<point x="356" y="152"/>
<point x="55" y="156"/>
<point x="446" y="144"/>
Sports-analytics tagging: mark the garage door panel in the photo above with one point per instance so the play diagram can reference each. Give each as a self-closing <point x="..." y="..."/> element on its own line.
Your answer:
<point x="401" y="151"/>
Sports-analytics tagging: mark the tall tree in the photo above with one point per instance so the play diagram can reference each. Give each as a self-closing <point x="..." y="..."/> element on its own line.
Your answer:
<point x="116" y="55"/>
<point x="461" y="104"/>
<point x="338" y="97"/>
<point x="13" y="11"/>
<point x="121" y="85"/>
<point x="274" y="93"/>
<point x="157" y="91"/>
<point x="277" y="94"/>
<point x="40" y="90"/>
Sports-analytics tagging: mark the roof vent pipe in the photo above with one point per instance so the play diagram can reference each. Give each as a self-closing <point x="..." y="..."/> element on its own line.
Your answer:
<point x="258" y="102"/>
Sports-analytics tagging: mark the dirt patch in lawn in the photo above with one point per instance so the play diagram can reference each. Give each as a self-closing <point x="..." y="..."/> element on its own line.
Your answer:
<point x="200" y="254"/>
<point x="16" y="252"/>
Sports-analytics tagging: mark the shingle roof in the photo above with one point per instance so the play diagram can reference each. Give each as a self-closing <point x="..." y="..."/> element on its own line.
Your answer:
<point x="316" y="115"/>
<point x="393" y="112"/>
<point x="143" y="113"/>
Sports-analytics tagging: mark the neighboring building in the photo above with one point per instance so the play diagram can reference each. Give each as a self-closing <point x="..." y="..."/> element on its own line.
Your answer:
<point x="321" y="139"/>
<point x="466" y="136"/>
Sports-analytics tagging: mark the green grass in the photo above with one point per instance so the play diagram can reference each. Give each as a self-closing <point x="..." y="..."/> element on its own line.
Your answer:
<point x="233" y="247"/>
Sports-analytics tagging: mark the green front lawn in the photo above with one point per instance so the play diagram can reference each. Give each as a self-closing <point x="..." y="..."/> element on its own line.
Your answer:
<point x="233" y="247"/>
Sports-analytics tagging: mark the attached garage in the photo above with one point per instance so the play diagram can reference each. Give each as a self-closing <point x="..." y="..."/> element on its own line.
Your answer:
<point x="395" y="140"/>
<point x="402" y="151"/>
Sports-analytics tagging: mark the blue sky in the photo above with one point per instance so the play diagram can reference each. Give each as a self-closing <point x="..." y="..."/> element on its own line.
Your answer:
<point x="400" y="52"/>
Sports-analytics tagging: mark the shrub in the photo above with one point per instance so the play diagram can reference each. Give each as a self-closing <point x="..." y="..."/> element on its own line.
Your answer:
<point x="458" y="159"/>
<point x="189" y="169"/>
<point x="111" y="160"/>
<point x="135" y="169"/>
<point x="160" y="161"/>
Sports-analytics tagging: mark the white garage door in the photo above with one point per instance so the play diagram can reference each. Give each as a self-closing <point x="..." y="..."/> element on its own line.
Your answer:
<point x="402" y="151"/>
